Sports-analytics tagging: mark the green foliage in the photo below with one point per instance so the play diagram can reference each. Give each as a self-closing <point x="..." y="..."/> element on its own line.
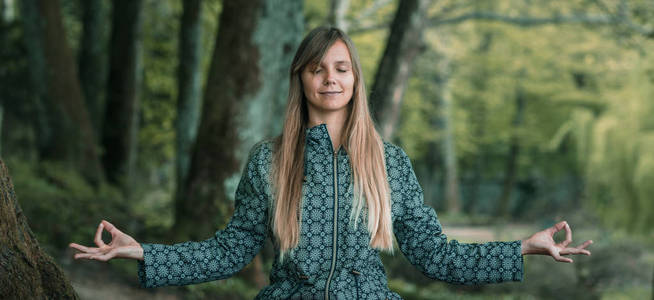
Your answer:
<point x="61" y="207"/>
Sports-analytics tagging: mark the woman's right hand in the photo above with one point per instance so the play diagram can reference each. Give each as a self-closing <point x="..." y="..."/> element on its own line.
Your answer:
<point x="121" y="246"/>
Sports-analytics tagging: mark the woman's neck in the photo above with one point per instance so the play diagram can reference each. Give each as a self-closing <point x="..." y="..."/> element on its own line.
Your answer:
<point x="335" y="124"/>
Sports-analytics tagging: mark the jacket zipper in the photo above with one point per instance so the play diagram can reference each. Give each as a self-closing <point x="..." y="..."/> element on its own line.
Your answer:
<point x="335" y="236"/>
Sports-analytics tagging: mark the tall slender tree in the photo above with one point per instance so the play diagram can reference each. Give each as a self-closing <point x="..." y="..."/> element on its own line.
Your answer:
<point x="119" y="131"/>
<point x="511" y="171"/>
<point x="189" y="88"/>
<point x="337" y="11"/>
<point x="92" y="59"/>
<point x="449" y="150"/>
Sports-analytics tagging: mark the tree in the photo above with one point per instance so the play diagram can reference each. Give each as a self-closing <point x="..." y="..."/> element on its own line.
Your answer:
<point x="337" y="10"/>
<point x="119" y="132"/>
<point x="189" y="85"/>
<point x="65" y="130"/>
<point x="403" y="45"/>
<point x="26" y="271"/>
<point x="92" y="59"/>
<point x="243" y="101"/>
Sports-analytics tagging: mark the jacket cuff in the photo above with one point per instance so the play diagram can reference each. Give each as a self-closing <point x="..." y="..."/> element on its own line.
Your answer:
<point x="145" y="269"/>
<point x="520" y="263"/>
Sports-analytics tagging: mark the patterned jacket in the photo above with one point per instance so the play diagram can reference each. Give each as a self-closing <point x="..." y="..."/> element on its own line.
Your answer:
<point x="332" y="259"/>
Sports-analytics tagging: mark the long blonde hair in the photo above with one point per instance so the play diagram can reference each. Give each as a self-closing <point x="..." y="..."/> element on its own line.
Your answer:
<point x="360" y="139"/>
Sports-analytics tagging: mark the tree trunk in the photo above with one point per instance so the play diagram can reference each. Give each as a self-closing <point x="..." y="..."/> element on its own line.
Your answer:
<point x="67" y="131"/>
<point x="512" y="158"/>
<point x="189" y="84"/>
<point x="92" y="59"/>
<point x="337" y="11"/>
<point x="243" y="103"/>
<point x="404" y="43"/>
<point x="449" y="150"/>
<point x="121" y="116"/>
<point x="26" y="271"/>
<point x="479" y="116"/>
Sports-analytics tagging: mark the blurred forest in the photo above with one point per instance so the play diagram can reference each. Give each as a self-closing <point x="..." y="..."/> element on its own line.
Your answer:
<point x="516" y="114"/>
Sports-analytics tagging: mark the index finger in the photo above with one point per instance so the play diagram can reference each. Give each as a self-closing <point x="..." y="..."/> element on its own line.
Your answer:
<point x="557" y="227"/>
<point x="568" y="235"/>
<point x="98" y="236"/>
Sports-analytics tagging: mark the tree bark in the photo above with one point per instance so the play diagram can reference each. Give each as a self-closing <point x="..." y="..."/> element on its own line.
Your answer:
<point x="67" y="131"/>
<point x="92" y="59"/>
<point x="26" y="271"/>
<point x="189" y="85"/>
<point x="512" y="158"/>
<point x="337" y="11"/>
<point x="449" y="150"/>
<point x="243" y="103"/>
<point x="121" y="116"/>
<point x="404" y="43"/>
<point x="479" y="119"/>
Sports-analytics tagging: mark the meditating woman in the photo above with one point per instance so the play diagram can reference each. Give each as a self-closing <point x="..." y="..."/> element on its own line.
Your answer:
<point x="330" y="194"/>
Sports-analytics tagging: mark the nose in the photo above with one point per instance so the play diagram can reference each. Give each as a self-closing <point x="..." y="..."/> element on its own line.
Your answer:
<point x="329" y="78"/>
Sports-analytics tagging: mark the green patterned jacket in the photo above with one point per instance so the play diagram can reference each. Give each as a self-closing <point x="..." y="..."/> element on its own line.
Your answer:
<point x="332" y="260"/>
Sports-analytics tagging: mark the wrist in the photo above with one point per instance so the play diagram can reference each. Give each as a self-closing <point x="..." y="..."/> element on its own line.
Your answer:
<point x="524" y="247"/>
<point x="139" y="252"/>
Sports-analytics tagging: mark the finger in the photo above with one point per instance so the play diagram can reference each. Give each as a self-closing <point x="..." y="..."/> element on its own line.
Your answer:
<point x="98" y="236"/>
<point x="562" y="259"/>
<point x="84" y="248"/>
<point x="569" y="251"/>
<point x="83" y="255"/>
<point x="555" y="254"/>
<point x="110" y="227"/>
<point x="568" y="235"/>
<point x="557" y="227"/>
<point x="105" y="257"/>
<point x="585" y="244"/>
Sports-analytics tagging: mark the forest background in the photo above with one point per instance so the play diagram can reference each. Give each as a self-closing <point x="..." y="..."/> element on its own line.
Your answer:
<point x="516" y="114"/>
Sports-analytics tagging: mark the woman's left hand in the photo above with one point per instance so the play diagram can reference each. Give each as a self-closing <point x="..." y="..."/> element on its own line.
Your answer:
<point x="542" y="243"/>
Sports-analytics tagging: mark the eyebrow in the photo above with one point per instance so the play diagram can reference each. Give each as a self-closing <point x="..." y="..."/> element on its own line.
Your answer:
<point x="343" y="62"/>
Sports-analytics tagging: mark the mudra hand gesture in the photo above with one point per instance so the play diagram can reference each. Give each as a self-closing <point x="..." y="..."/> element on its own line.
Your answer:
<point x="542" y="242"/>
<point x="121" y="245"/>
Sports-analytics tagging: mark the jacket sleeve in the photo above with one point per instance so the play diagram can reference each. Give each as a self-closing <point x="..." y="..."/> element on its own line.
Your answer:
<point x="224" y="254"/>
<point x="421" y="239"/>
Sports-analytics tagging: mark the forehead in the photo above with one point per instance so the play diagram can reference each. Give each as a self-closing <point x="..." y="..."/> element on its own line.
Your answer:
<point x="337" y="53"/>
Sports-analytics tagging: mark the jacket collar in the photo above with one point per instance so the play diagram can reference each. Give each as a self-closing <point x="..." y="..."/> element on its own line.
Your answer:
<point x="319" y="136"/>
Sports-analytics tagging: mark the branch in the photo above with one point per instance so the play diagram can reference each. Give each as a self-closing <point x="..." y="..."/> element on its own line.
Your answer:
<point x="525" y="21"/>
<point x="528" y="21"/>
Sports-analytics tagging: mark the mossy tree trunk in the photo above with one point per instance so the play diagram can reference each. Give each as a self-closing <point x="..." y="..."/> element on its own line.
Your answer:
<point x="26" y="271"/>
<point x="243" y="102"/>
<point x="189" y="83"/>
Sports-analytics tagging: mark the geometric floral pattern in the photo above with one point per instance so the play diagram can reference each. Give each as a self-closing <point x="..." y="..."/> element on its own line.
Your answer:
<point x="332" y="254"/>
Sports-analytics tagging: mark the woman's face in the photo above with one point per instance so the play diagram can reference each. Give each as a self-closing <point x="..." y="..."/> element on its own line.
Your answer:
<point x="328" y="86"/>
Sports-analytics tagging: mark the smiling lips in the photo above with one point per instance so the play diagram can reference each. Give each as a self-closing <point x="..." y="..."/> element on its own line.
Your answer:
<point x="329" y="93"/>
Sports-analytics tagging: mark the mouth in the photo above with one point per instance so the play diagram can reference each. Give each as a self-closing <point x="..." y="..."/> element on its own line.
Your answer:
<point x="330" y="92"/>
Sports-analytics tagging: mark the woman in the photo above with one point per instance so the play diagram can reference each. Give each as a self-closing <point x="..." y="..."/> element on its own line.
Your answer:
<point x="330" y="194"/>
